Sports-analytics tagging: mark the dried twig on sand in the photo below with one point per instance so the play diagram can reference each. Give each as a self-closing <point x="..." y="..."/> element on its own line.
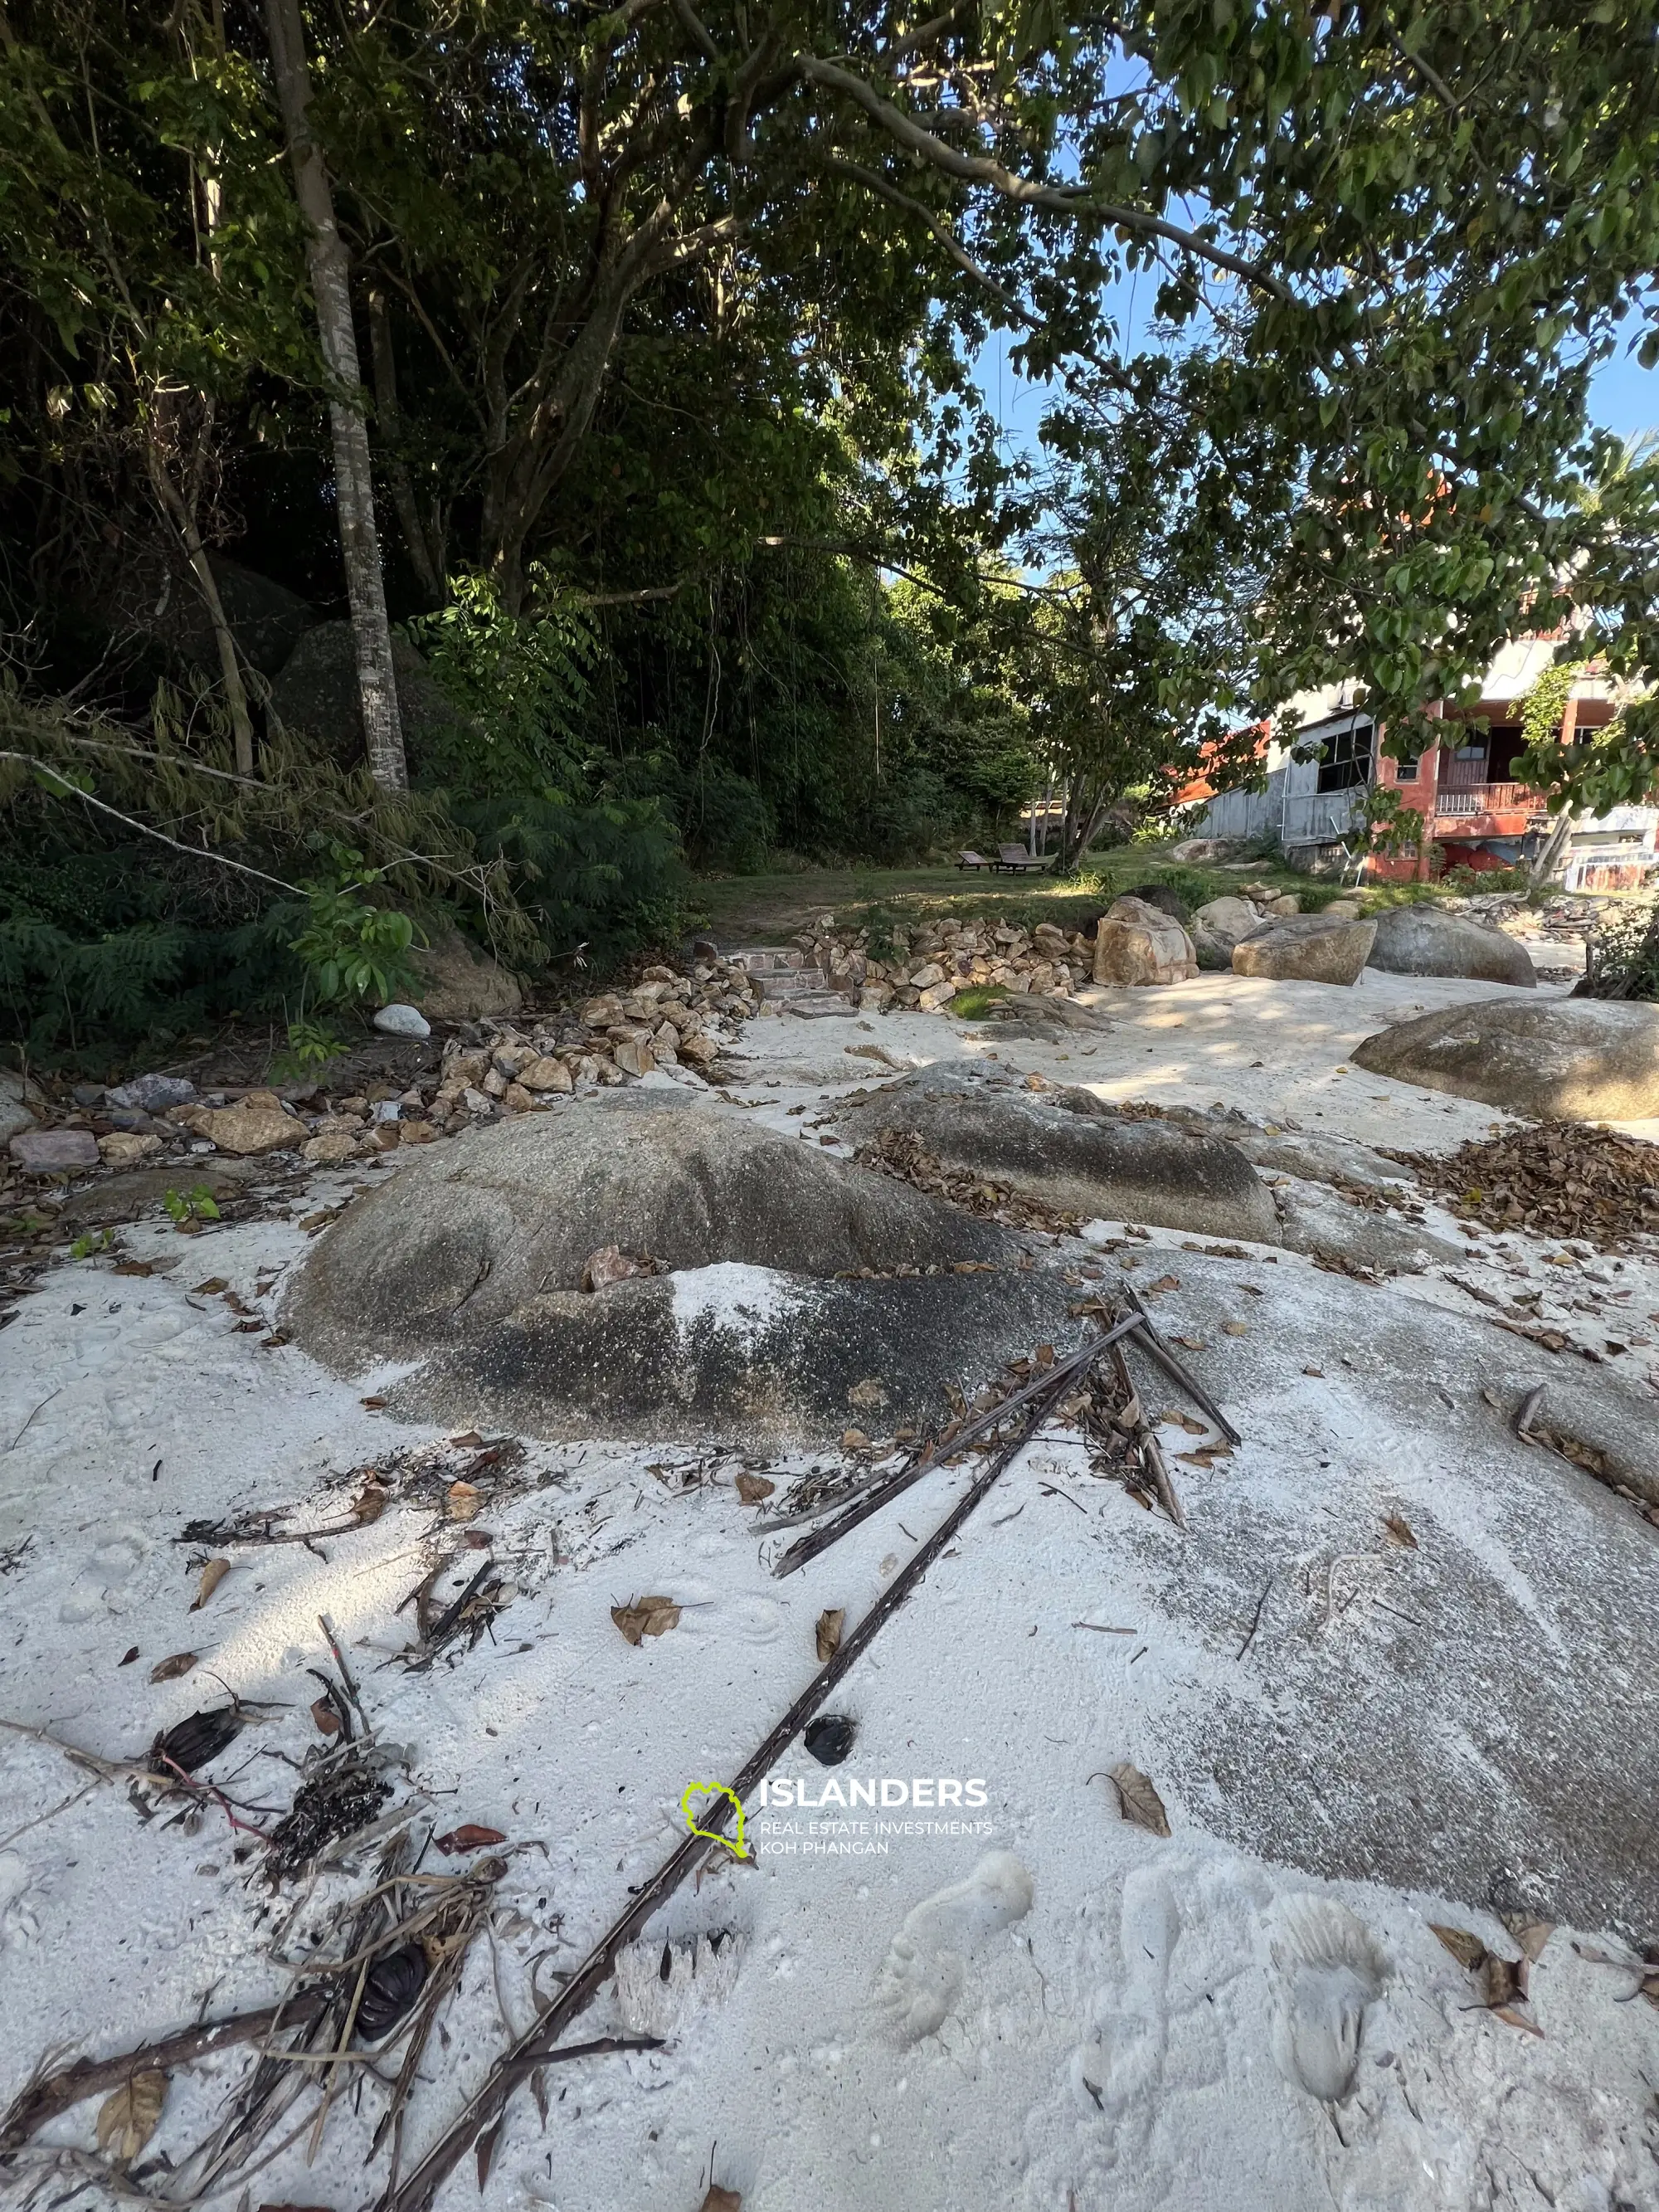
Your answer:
<point x="536" y="2047"/>
<point x="958" y="1438"/>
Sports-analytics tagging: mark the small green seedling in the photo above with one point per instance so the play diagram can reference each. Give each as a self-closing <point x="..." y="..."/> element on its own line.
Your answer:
<point x="90" y="1241"/>
<point x="190" y="1211"/>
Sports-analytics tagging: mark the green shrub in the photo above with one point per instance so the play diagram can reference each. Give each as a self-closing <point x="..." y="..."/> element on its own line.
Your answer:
<point x="974" y="1004"/>
<point x="1623" y="954"/>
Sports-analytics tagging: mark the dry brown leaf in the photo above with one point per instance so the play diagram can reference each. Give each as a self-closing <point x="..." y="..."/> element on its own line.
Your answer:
<point x="723" y="2200"/>
<point x="1170" y="1418"/>
<point x="611" y="1264"/>
<point x="469" y="1837"/>
<point x="1163" y="1283"/>
<point x="211" y="1288"/>
<point x="1530" y="1933"/>
<point x="1318" y="1371"/>
<point x="1140" y="1802"/>
<point x="646" y="1616"/>
<point x="1191" y="1343"/>
<point x="1502" y="1981"/>
<point x="129" y="1658"/>
<point x="463" y="1500"/>
<point x="169" y="1670"/>
<point x="830" y="1623"/>
<point x="854" y="1440"/>
<point x="1399" y="1530"/>
<point x="128" y="2117"/>
<point x="1468" y="1950"/>
<point x="1234" y="1329"/>
<point x="752" y="1488"/>
<point x="213" y="1573"/>
<point x="327" y="1720"/>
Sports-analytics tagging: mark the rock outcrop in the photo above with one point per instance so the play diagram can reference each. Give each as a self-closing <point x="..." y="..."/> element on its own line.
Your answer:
<point x="1070" y="1152"/>
<point x="1422" y="940"/>
<point x="1308" y="948"/>
<point x="756" y="1306"/>
<point x="1139" y="945"/>
<point x="1577" y="1059"/>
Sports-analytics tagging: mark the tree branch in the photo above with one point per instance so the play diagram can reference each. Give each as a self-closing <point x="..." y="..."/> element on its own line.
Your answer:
<point x="872" y="180"/>
<point x="192" y="851"/>
<point x="977" y="169"/>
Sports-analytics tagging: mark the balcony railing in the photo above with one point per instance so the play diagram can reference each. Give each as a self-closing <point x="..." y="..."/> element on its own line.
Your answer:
<point x="1486" y="799"/>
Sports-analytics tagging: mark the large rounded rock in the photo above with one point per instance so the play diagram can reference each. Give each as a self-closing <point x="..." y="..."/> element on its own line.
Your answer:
<point x="150" y="592"/>
<point x="456" y="982"/>
<point x="316" y="692"/>
<point x="1308" y="948"/>
<point x="471" y="1260"/>
<point x="731" y="1352"/>
<point x="1583" y="1060"/>
<point x="1228" y="920"/>
<point x="1074" y="1152"/>
<point x="1422" y="940"/>
<point x="1137" y="944"/>
<point x="1166" y="900"/>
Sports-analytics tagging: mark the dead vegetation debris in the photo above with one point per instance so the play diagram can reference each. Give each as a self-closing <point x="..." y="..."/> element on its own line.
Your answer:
<point x="901" y="1154"/>
<point x="452" y="1476"/>
<point x="1567" y="1179"/>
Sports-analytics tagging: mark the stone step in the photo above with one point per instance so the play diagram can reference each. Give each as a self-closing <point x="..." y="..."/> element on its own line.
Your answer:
<point x="769" y="959"/>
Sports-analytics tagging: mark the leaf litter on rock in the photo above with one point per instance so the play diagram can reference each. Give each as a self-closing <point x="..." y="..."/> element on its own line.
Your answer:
<point x="1501" y="1983"/>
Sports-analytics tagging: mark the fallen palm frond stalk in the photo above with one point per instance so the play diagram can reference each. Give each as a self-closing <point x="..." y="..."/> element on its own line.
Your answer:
<point x="536" y="2047"/>
<point x="1145" y="1442"/>
<point x="954" y="1440"/>
<point x="48" y="2094"/>
<point x="1180" y="1374"/>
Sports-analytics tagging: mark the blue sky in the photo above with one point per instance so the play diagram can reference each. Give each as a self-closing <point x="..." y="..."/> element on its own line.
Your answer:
<point x="1626" y="395"/>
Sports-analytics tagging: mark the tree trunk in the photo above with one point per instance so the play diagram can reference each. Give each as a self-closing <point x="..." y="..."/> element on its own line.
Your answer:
<point x="353" y="480"/>
<point x="181" y="512"/>
<point x="425" y="553"/>
<point x="1085" y="804"/>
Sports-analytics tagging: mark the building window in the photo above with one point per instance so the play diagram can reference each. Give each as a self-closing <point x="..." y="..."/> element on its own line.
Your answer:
<point x="1347" y="761"/>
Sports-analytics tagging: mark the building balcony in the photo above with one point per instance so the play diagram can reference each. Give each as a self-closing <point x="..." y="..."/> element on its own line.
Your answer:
<point x="1488" y="798"/>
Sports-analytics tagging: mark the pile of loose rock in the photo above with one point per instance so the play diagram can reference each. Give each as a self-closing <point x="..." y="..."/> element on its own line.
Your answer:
<point x="669" y="1020"/>
<point x="924" y="967"/>
<point x="665" y="1022"/>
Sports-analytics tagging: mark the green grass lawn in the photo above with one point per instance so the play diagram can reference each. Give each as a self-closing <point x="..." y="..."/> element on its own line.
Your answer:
<point x="764" y="909"/>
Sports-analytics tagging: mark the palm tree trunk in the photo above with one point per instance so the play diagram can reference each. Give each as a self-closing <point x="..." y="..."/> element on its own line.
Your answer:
<point x="353" y="480"/>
